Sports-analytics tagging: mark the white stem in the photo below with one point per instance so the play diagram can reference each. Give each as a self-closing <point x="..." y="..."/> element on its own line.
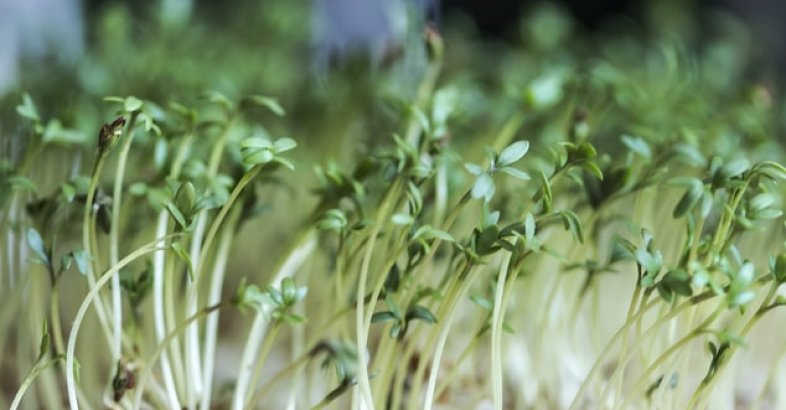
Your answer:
<point x="117" y="301"/>
<point x="194" y="373"/>
<point x="259" y="328"/>
<point x="211" y="325"/>
<point x="159" y="259"/>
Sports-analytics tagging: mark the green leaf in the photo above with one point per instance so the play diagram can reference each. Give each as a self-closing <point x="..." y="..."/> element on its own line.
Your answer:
<point x="742" y="298"/>
<point x="513" y="153"/>
<point x="621" y="249"/>
<point x="292" y="318"/>
<point x="333" y="219"/>
<point x="546" y="190"/>
<point x="160" y="152"/>
<point x="637" y="145"/>
<point x="700" y="279"/>
<point x="735" y="167"/>
<point x="679" y="281"/>
<point x="486" y="240"/>
<point x="182" y="254"/>
<point x="284" y="144"/>
<point x="779" y="269"/>
<point x="131" y="104"/>
<point x="584" y="152"/>
<point x="572" y="223"/>
<point x="185" y="198"/>
<point x="176" y="215"/>
<point x="761" y="201"/>
<point x="285" y="162"/>
<point x="256" y="142"/>
<point x="529" y="227"/>
<point x="420" y="116"/>
<point x="420" y="313"/>
<point x="217" y="98"/>
<point x="515" y="173"/>
<point x="385" y="316"/>
<point x="393" y="279"/>
<point x="21" y="183"/>
<point x="651" y="263"/>
<point x="392" y="306"/>
<point x="257" y="156"/>
<point x="545" y="91"/>
<point x="690" y="198"/>
<point x="55" y="133"/>
<point x="482" y="302"/>
<point x="65" y="262"/>
<point x="275" y="296"/>
<point x="267" y="102"/>
<point x="474" y="169"/>
<point x="772" y="169"/>
<point x="288" y="291"/>
<point x="593" y="169"/>
<point x="690" y="155"/>
<point x="36" y="244"/>
<point x="765" y="214"/>
<point x="43" y="347"/>
<point x="395" y="330"/>
<point x="68" y="191"/>
<point x="442" y="235"/>
<point x="489" y="218"/>
<point x="82" y="259"/>
<point x="483" y="188"/>
<point x="28" y="109"/>
<point x="137" y="189"/>
<point x="402" y="219"/>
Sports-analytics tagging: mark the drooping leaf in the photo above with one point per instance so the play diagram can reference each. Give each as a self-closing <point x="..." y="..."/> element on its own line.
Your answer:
<point x="420" y="313"/>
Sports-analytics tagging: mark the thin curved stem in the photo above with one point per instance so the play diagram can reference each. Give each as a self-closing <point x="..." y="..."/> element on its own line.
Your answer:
<point x="105" y="278"/>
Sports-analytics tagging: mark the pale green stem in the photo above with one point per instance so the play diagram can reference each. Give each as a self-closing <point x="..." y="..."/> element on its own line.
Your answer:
<point x="362" y="336"/>
<point x="34" y="372"/>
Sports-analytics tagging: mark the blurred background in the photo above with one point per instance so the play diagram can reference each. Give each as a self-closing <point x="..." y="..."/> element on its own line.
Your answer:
<point x="70" y="54"/>
<point x="58" y="33"/>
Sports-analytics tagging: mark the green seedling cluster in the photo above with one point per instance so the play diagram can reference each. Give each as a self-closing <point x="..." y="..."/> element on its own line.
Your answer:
<point x="561" y="230"/>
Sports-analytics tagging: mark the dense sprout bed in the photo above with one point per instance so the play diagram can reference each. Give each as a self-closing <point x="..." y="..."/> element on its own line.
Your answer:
<point x="563" y="220"/>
